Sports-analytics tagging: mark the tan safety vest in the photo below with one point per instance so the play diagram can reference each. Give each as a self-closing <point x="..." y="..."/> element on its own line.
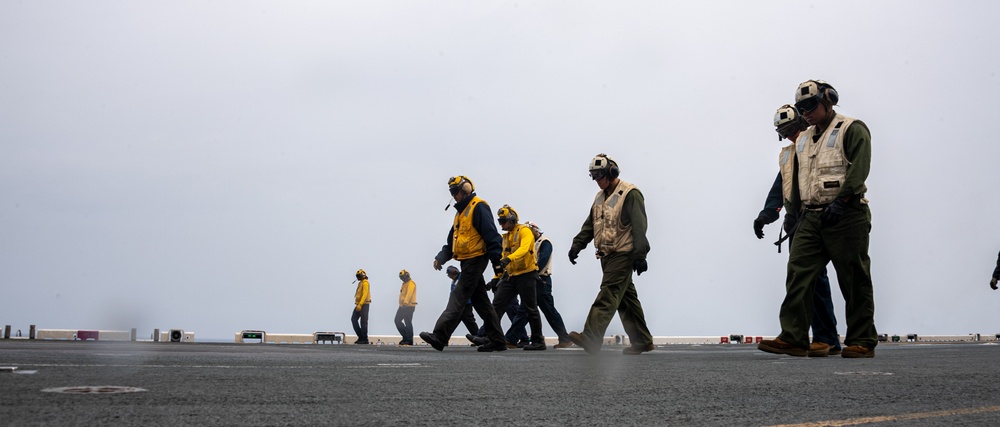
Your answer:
<point x="545" y="270"/>
<point x="610" y="235"/>
<point x="466" y="242"/>
<point x="823" y="164"/>
<point x="523" y="263"/>
<point x="786" y="165"/>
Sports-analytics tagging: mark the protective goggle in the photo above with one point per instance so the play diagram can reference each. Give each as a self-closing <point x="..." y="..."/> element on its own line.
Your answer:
<point x="806" y="106"/>
<point x="598" y="174"/>
<point x="454" y="189"/>
<point x="503" y="220"/>
<point x="787" y="130"/>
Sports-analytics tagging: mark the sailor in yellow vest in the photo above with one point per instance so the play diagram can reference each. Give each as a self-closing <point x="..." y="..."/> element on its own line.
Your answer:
<point x="617" y="225"/>
<point x="362" y="299"/>
<point x="407" y="304"/>
<point x="832" y="161"/>
<point x="473" y="240"/>
<point x="543" y="293"/>
<point x="520" y="274"/>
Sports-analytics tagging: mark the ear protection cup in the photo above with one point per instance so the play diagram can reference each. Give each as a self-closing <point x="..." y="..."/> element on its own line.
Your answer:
<point x="614" y="171"/>
<point x="819" y="89"/>
<point x="507" y="212"/>
<point x="830" y="94"/>
<point x="463" y="182"/>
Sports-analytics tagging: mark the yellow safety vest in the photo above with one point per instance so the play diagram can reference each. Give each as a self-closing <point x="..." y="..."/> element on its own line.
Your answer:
<point x="519" y="247"/>
<point x="362" y="295"/>
<point x="408" y="294"/>
<point x="466" y="242"/>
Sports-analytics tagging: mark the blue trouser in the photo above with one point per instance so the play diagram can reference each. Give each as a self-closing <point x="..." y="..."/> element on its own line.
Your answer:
<point x="359" y="319"/>
<point x="523" y="285"/>
<point x="824" y="322"/>
<point x="404" y="322"/>
<point x="470" y="286"/>
<point x="520" y="334"/>
<point x="469" y="320"/>
<point x="547" y="306"/>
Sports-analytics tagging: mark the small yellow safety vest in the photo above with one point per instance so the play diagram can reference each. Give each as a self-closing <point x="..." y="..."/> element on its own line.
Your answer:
<point x="521" y="262"/>
<point x="466" y="242"/>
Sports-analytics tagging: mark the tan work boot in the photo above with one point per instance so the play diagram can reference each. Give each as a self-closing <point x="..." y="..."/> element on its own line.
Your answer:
<point x="819" y="349"/>
<point x="638" y="349"/>
<point x="579" y="340"/>
<point x="777" y="346"/>
<point x="858" y="352"/>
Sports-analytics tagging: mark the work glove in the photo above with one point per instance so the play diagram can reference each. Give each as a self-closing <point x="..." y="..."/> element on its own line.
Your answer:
<point x="832" y="215"/>
<point x="574" y="253"/>
<point x="993" y="283"/>
<point x="758" y="228"/>
<point x="504" y="261"/>
<point x="437" y="265"/>
<point x="497" y="269"/>
<point x="493" y="284"/>
<point x="639" y="266"/>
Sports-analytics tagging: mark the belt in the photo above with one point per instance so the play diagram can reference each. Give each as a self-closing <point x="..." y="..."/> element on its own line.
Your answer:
<point x="817" y="207"/>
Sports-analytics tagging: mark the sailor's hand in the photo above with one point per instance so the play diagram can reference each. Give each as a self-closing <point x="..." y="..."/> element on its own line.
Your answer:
<point x="574" y="253"/>
<point x="639" y="266"/>
<point x="832" y="214"/>
<point x="758" y="228"/>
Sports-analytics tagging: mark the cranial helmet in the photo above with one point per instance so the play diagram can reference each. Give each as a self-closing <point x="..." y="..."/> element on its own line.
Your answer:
<point x="787" y="121"/>
<point x="460" y="183"/>
<point x="507" y="213"/>
<point x="534" y="227"/>
<point x="811" y="92"/>
<point x="360" y="274"/>
<point x="404" y="275"/>
<point x="603" y="165"/>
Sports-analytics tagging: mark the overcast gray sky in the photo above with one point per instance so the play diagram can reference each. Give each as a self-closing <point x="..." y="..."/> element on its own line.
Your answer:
<point x="228" y="165"/>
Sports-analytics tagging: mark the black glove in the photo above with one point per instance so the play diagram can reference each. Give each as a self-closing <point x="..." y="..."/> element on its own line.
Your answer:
<point x="833" y="213"/>
<point x="497" y="269"/>
<point x="758" y="228"/>
<point x="993" y="284"/>
<point x="504" y="261"/>
<point x="574" y="252"/>
<point x="766" y="216"/>
<point x="493" y="284"/>
<point x="639" y="266"/>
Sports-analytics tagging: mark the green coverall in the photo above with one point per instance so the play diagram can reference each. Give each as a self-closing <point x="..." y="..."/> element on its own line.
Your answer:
<point x="845" y="244"/>
<point x="617" y="290"/>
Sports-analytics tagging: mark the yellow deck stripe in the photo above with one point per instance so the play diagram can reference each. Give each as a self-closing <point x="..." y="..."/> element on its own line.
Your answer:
<point x="901" y="417"/>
